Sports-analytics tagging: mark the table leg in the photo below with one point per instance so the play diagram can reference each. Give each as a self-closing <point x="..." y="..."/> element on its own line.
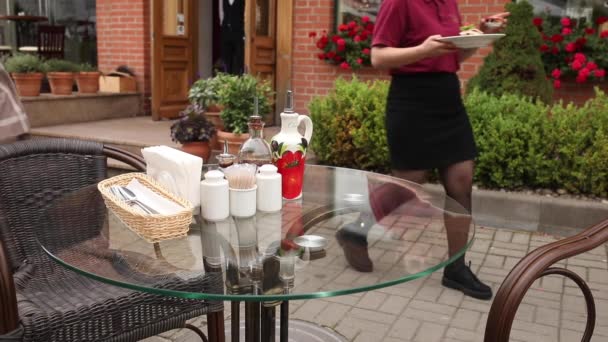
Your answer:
<point x="268" y="323"/>
<point x="284" y="321"/>
<point x="235" y="324"/>
<point x="252" y="321"/>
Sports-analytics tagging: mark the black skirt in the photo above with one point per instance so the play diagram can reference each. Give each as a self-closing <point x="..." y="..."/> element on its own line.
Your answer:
<point x="426" y="122"/>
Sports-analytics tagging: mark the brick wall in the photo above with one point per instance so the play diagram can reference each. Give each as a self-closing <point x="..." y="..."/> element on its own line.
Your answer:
<point x="312" y="77"/>
<point x="570" y="91"/>
<point x="123" y="38"/>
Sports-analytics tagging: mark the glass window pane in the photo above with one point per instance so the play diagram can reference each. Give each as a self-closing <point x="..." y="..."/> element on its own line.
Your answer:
<point x="587" y="10"/>
<point x="79" y="19"/>
<point x="262" y="18"/>
<point x="175" y="14"/>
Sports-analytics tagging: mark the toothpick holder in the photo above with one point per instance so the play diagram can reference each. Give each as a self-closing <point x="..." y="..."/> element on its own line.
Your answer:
<point x="243" y="202"/>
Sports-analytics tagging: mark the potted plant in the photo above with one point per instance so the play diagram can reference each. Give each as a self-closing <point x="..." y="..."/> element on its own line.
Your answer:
<point x="204" y="93"/>
<point x="87" y="79"/>
<point x="61" y="76"/>
<point x="194" y="132"/>
<point x="27" y="72"/>
<point x="236" y="94"/>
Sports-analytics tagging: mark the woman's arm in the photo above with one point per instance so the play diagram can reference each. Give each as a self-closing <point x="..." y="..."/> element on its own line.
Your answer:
<point x="392" y="57"/>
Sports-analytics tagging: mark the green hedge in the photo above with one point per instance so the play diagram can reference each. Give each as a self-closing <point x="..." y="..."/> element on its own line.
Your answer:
<point x="349" y="125"/>
<point x="522" y="143"/>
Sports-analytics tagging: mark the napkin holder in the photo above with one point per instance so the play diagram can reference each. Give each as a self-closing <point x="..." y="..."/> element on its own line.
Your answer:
<point x="152" y="228"/>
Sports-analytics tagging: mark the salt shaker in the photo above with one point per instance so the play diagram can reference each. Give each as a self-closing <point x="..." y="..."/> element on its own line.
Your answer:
<point x="269" y="197"/>
<point x="214" y="196"/>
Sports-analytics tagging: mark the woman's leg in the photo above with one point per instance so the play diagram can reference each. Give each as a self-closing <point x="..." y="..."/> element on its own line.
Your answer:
<point x="457" y="179"/>
<point x="353" y="235"/>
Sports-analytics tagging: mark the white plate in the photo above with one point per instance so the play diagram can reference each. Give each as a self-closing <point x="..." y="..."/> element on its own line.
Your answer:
<point x="470" y="42"/>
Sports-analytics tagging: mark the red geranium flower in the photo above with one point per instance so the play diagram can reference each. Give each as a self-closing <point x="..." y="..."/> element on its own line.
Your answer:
<point x="566" y="21"/>
<point x="580" y="57"/>
<point x="557" y="84"/>
<point x="601" y="20"/>
<point x="577" y="65"/>
<point x="544" y="48"/>
<point x="312" y="34"/>
<point x="591" y="66"/>
<point x="589" y="30"/>
<point x="556" y="73"/>
<point x="557" y="38"/>
<point x="537" y="21"/>
<point x="351" y="42"/>
<point x="555" y="50"/>
<point x="600" y="73"/>
<point x="345" y="66"/>
<point x="566" y="31"/>
<point x="604" y="34"/>
<point x="570" y="47"/>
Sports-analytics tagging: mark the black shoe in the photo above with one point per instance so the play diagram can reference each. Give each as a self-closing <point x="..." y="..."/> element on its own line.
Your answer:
<point x="463" y="279"/>
<point x="354" y="245"/>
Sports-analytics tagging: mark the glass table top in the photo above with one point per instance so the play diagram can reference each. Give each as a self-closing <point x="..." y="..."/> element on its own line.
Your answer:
<point x="316" y="246"/>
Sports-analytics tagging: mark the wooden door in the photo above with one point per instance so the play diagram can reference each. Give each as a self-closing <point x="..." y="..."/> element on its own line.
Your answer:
<point x="260" y="48"/>
<point x="174" y="48"/>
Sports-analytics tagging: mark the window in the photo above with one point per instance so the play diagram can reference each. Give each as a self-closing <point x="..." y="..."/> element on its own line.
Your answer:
<point x="585" y="10"/>
<point x="347" y="10"/>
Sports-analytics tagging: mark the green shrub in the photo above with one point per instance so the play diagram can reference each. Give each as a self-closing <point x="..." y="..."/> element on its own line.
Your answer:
<point x="349" y="125"/>
<point x="61" y="65"/>
<point x="522" y="143"/>
<point x="86" y="67"/>
<point x="509" y="136"/>
<point x="526" y="144"/>
<point x="24" y="63"/>
<point x="515" y="65"/>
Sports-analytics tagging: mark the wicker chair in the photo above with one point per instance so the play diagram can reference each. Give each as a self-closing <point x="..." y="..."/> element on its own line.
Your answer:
<point x="43" y="301"/>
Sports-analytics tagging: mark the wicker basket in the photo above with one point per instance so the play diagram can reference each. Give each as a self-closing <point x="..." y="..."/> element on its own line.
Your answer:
<point x="152" y="228"/>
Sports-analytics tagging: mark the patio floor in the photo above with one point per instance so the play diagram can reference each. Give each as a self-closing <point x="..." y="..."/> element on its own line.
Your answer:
<point x="424" y="311"/>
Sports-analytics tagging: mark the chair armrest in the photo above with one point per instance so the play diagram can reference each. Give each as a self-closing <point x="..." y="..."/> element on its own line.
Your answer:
<point x="126" y="157"/>
<point x="9" y="315"/>
<point x="536" y="265"/>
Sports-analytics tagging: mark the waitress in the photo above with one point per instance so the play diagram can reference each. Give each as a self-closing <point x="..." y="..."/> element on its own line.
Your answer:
<point x="426" y="122"/>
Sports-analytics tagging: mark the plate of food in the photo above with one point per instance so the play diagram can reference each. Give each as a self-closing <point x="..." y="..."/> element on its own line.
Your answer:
<point x="470" y="38"/>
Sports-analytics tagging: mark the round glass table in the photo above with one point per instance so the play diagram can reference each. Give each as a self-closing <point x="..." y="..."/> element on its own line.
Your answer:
<point x="351" y="231"/>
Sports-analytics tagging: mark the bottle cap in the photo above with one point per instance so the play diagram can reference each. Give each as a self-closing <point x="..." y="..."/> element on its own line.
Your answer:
<point x="268" y="169"/>
<point x="214" y="176"/>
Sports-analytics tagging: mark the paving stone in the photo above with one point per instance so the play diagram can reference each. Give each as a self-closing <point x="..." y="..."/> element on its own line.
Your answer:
<point x="503" y="235"/>
<point x="350" y="327"/>
<point x="310" y="309"/>
<point x="494" y="261"/>
<point x="509" y="245"/>
<point x="372" y="316"/>
<point x="449" y="297"/>
<point x="372" y="300"/>
<point x="507" y="252"/>
<point x="394" y="304"/>
<point x="430" y="332"/>
<point x="405" y="328"/>
<point x="521" y="238"/>
<point x="332" y="314"/>
<point x="481" y="246"/>
<point x="466" y="319"/>
<point x="598" y="276"/>
<point x="462" y="335"/>
<point x="547" y="316"/>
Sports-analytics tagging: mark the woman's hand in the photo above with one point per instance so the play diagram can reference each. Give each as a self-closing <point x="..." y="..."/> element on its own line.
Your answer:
<point x="494" y="23"/>
<point x="432" y="47"/>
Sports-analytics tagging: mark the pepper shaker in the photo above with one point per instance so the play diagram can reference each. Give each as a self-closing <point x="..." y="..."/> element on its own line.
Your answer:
<point x="214" y="196"/>
<point x="269" y="197"/>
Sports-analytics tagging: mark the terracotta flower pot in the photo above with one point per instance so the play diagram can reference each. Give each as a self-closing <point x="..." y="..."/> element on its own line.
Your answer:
<point x="88" y="82"/>
<point x="61" y="82"/>
<point x="198" y="148"/>
<point x="28" y="84"/>
<point x="234" y="140"/>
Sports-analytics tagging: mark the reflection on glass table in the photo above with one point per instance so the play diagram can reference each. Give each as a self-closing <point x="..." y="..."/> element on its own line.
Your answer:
<point x="401" y="227"/>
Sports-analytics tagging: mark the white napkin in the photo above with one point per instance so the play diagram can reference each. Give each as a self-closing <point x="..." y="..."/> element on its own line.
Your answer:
<point x="162" y="205"/>
<point x="178" y="171"/>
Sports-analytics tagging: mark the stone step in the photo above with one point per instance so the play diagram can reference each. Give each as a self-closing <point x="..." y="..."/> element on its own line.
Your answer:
<point x="52" y="110"/>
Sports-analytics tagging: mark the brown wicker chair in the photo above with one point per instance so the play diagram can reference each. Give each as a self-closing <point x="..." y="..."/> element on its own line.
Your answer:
<point x="535" y="265"/>
<point x="43" y="301"/>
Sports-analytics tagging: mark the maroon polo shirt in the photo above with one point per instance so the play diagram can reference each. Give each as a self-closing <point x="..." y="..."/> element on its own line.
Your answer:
<point x="408" y="23"/>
